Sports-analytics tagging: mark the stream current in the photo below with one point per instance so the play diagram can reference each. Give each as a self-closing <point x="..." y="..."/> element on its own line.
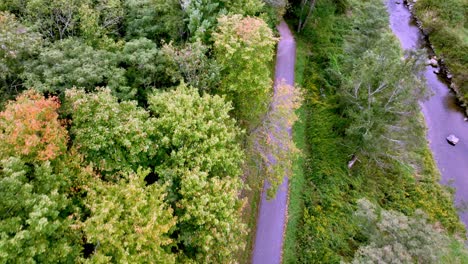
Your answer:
<point x="442" y="114"/>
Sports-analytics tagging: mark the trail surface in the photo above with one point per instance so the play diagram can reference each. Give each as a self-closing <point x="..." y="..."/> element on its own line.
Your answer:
<point x="272" y="213"/>
<point x="443" y="116"/>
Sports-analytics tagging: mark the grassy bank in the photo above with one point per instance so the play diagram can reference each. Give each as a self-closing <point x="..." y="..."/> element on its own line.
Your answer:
<point x="446" y="23"/>
<point x="296" y="182"/>
<point x="323" y="195"/>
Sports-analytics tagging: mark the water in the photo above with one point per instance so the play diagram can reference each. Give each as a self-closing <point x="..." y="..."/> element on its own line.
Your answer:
<point x="442" y="114"/>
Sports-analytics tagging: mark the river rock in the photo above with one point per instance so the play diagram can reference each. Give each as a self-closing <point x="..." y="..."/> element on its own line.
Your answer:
<point x="433" y="62"/>
<point x="398" y="2"/>
<point x="436" y="71"/>
<point x="452" y="139"/>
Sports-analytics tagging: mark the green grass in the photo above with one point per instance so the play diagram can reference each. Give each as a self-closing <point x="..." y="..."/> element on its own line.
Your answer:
<point x="297" y="180"/>
<point x="446" y="24"/>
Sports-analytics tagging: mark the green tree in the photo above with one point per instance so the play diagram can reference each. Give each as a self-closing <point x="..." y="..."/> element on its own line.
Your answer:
<point x="18" y="43"/>
<point x="36" y="218"/>
<point x="245" y="49"/>
<point x="71" y="63"/>
<point x="396" y="238"/>
<point x="101" y="22"/>
<point x="193" y="63"/>
<point x="202" y="15"/>
<point x="55" y="19"/>
<point x="199" y="158"/>
<point x="154" y="19"/>
<point x="195" y="131"/>
<point x="209" y="226"/>
<point x="147" y="67"/>
<point x="112" y="136"/>
<point x="129" y="221"/>
<point x="271" y="142"/>
<point x="379" y="97"/>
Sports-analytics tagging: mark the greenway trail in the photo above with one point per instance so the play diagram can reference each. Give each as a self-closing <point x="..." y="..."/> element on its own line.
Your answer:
<point x="272" y="213"/>
<point x="441" y="113"/>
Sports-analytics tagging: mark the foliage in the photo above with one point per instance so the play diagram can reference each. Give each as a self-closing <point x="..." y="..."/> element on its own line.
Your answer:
<point x="195" y="131"/>
<point x="194" y="65"/>
<point x="129" y="222"/>
<point x="379" y="97"/>
<point x="394" y="237"/>
<point x="272" y="140"/>
<point x="244" y="47"/>
<point x="209" y="225"/>
<point x="112" y="136"/>
<point x="154" y="19"/>
<point x="30" y="128"/>
<point x="202" y="15"/>
<point x="35" y="216"/>
<point x="446" y="24"/>
<point x="146" y="67"/>
<point x="100" y="22"/>
<point x="200" y="161"/>
<point x="71" y="63"/>
<point x="18" y="43"/>
<point x="330" y="190"/>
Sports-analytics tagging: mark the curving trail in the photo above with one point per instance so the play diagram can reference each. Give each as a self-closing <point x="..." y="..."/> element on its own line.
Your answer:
<point x="272" y="213"/>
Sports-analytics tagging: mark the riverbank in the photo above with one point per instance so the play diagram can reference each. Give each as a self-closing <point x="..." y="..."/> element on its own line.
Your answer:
<point x="443" y="25"/>
<point x="328" y="193"/>
<point x="442" y="116"/>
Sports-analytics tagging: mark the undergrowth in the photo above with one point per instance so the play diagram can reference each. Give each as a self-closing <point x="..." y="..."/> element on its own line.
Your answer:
<point x="323" y="195"/>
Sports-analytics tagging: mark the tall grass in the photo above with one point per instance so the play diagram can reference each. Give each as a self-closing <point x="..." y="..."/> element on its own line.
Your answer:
<point x="323" y="197"/>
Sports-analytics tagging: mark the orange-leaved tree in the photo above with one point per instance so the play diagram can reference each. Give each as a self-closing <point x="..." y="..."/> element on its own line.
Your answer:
<point x="30" y="128"/>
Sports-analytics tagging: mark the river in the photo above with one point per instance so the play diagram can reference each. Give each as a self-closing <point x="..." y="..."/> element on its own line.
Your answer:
<point x="443" y="116"/>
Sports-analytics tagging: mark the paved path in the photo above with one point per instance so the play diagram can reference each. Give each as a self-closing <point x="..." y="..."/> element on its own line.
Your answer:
<point x="271" y="219"/>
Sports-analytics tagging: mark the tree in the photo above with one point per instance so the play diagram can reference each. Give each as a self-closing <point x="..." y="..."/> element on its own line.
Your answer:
<point x="30" y="128"/>
<point x="147" y="67"/>
<point x="199" y="158"/>
<point x="202" y="15"/>
<point x="195" y="131"/>
<point x="71" y="63"/>
<point x="307" y="6"/>
<point x="129" y="221"/>
<point x="36" y="216"/>
<point x="209" y="225"/>
<point x="154" y="19"/>
<point x="396" y="238"/>
<point x="112" y="136"/>
<point x="100" y="22"/>
<point x="55" y="19"/>
<point x="245" y="49"/>
<point x="272" y="143"/>
<point x="379" y="97"/>
<point x="19" y="43"/>
<point x="193" y="64"/>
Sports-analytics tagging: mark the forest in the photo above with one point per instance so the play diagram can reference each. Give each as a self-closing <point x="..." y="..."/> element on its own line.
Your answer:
<point x="142" y="131"/>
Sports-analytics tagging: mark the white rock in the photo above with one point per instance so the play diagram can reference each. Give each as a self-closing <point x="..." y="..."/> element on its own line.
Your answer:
<point x="452" y="139"/>
<point x="432" y="62"/>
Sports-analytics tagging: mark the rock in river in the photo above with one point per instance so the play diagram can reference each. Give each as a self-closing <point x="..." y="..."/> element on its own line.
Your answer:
<point x="452" y="139"/>
<point x="433" y="62"/>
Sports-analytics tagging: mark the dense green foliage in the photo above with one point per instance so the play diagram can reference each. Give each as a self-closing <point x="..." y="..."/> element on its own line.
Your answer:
<point x="244" y="48"/>
<point x="394" y="237"/>
<point x="129" y="222"/>
<point x="446" y="23"/>
<point x="348" y="56"/>
<point x="120" y="145"/>
<point x="112" y="136"/>
<point x="18" y="44"/>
